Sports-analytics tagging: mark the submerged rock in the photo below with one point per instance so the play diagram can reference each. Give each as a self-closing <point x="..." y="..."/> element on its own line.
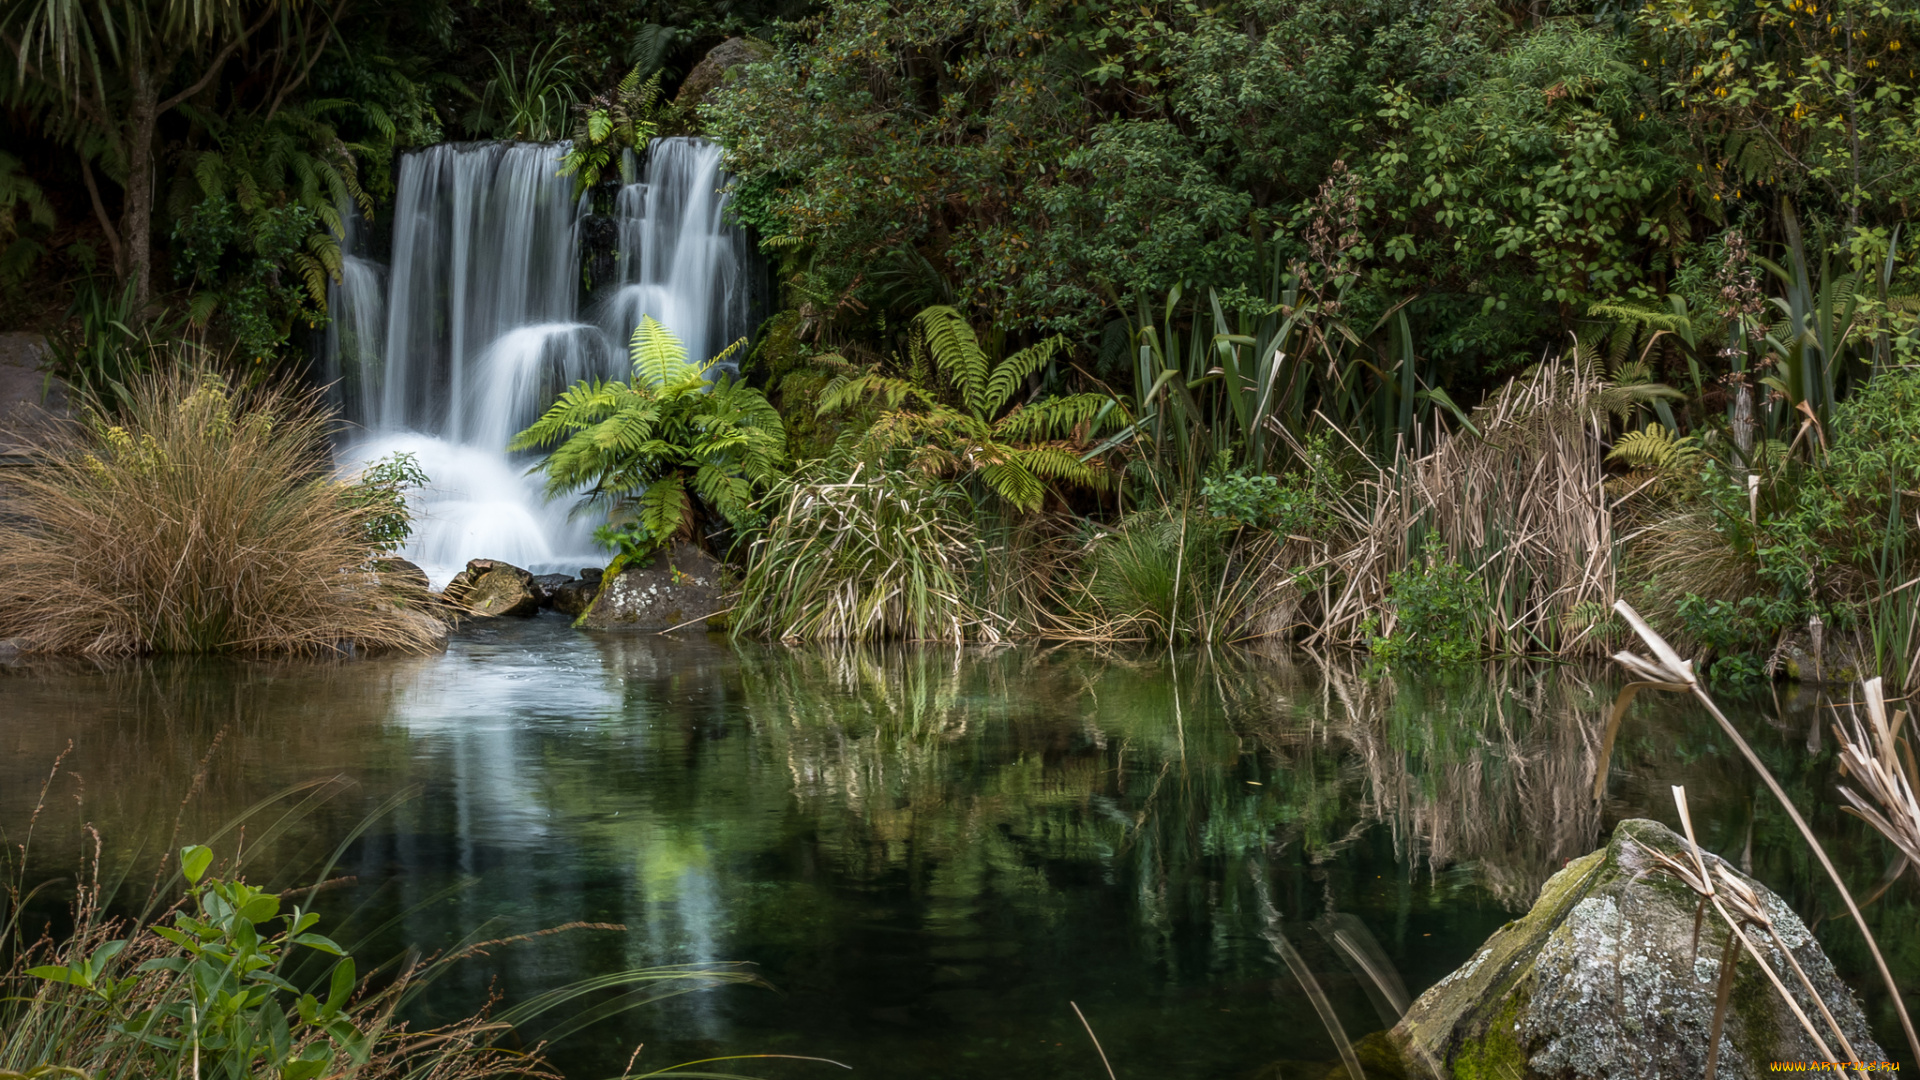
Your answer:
<point x="489" y="587"/>
<point x="1604" y="979"/>
<point x="545" y="584"/>
<point x="574" y="597"/>
<point x="677" y="588"/>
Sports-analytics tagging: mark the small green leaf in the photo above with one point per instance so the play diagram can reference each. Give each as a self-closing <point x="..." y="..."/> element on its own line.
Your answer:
<point x="342" y="988"/>
<point x="194" y="860"/>
<point x="260" y="908"/>
<point x="320" y="942"/>
<point x="61" y="974"/>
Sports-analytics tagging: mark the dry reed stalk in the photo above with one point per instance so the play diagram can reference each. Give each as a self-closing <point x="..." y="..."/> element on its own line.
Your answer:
<point x="1732" y="893"/>
<point x="201" y="518"/>
<point x="1870" y="756"/>
<point x="1667" y="671"/>
<point x="1521" y="504"/>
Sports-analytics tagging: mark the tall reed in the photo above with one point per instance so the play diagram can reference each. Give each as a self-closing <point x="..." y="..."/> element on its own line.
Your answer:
<point x="1517" y="500"/>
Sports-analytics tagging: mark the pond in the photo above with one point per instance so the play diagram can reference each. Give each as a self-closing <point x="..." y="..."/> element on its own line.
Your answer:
<point x="927" y="854"/>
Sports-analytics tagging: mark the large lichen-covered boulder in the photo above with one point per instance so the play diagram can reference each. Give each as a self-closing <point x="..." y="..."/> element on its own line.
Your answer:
<point x="678" y="588"/>
<point x="712" y="70"/>
<point x="1603" y="979"/>
<point x="491" y="588"/>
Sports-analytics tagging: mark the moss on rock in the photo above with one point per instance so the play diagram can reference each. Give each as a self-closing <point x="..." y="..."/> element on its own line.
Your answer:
<point x="1603" y="978"/>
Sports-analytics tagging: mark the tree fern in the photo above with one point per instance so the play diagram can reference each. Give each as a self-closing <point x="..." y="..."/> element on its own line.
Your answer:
<point x="1014" y="452"/>
<point x="662" y="451"/>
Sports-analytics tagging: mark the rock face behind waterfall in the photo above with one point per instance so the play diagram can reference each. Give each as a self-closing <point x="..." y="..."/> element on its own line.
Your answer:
<point x="1602" y="979"/>
<point x="677" y="588"/>
<point x="713" y="67"/>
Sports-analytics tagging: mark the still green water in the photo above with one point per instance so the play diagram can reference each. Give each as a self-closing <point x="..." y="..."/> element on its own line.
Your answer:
<point x="927" y="853"/>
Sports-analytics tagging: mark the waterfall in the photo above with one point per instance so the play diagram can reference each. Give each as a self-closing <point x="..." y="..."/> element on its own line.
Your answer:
<point x="477" y="327"/>
<point x="680" y="262"/>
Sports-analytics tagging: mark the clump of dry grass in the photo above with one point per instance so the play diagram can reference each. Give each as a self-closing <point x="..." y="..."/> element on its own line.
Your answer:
<point x="196" y="518"/>
<point x="1871" y="755"/>
<point x="1519" y="502"/>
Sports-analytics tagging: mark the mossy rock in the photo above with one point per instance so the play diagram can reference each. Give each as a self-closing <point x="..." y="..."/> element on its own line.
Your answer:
<point x="1604" y="978"/>
<point x="675" y="589"/>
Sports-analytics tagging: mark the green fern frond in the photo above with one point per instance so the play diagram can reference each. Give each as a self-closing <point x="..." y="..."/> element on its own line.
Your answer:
<point x="1062" y="417"/>
<point x="659" y="358"/>
<point x="1013" y="482"/>
<point x="1011" y="372"/>
<point x="1062" y="464"/>
<point x="1657" y="450"/>
<point x="956" y="352"/>
<point x="663" y="509"/>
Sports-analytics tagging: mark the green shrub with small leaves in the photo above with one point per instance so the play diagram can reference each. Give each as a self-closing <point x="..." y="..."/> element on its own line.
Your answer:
<point x="381" y="490"/>
<point x="231" y="1010"/>
<point x="1434" y="601"/>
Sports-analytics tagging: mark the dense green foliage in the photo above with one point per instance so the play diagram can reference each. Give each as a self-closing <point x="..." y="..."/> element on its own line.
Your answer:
<point x="1261" y="289"/>
<point x="953" y="411"/>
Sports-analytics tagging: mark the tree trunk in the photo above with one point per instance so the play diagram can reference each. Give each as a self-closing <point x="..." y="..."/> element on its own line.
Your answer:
<point x="136" y="224"/>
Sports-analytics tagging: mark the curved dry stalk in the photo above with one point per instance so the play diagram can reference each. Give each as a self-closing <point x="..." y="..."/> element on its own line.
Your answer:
<point x="1669" y="668"/>
<point x="1747" y="904"/>
<point x="1297" y="964"/>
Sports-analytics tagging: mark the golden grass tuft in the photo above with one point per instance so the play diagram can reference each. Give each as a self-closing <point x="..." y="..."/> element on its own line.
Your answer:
<point x="197" y="518"/>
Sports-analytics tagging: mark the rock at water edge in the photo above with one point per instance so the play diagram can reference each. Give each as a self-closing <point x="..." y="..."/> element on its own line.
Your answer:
<point x="491" y="588"/>
<point x="677" y="588"/>
<point x="574" y="597"/>
<point x="1602" y="979"/>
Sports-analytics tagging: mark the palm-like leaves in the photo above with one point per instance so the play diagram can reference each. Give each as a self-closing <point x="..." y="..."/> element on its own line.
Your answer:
<point x="950" y="413"/>
<point x="655" y="450"/>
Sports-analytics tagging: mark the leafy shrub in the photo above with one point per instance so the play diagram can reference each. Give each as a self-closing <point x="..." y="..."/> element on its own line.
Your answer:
<point x="199" y="518"/>
<point x="381" y="491"/>
<point x="1283" y="504"/>
<point x="210" y="986"/>
<point x="663" y="451"/>
<point x="1434" y="602"/>
<point x="232" y="1009"/>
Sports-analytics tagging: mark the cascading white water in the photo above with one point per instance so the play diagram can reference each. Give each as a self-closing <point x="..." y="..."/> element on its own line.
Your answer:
<point x="680" y="261"/>
<point x="478" y="329"/>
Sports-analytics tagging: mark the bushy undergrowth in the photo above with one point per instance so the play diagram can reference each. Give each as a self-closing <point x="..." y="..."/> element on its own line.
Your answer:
<point x="198" y="518"/>
<point x="1436" y="604"/>
<point x="863" y="555"/>
<point x="1740" y="554"/>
